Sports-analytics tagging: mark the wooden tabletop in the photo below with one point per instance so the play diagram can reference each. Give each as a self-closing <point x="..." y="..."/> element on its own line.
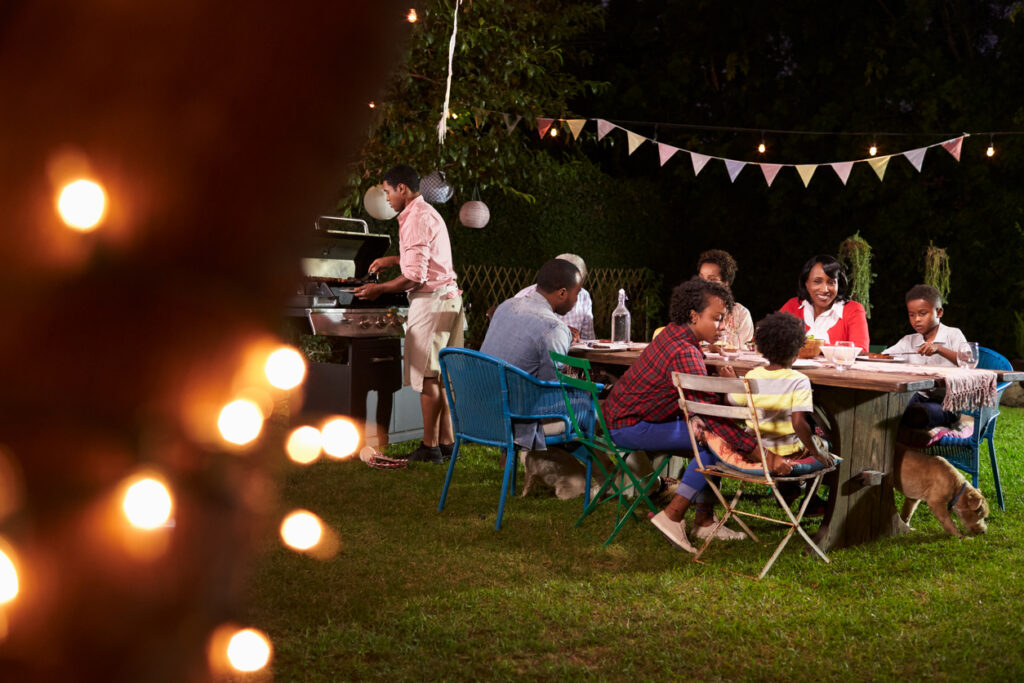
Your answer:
<point x="853" y="379"/>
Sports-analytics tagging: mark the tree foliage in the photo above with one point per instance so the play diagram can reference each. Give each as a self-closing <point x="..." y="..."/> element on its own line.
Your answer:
<point x="512" y="58"/>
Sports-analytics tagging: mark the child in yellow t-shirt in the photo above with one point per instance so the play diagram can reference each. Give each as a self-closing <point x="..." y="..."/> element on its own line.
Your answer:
<point x="786" y="432"/>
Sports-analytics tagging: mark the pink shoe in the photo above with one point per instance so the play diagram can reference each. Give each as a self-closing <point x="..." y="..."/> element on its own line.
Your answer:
<point x="675" y="532"/>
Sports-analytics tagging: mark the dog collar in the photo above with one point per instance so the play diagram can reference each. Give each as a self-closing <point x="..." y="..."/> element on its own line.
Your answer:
<point x="952" y="503"/>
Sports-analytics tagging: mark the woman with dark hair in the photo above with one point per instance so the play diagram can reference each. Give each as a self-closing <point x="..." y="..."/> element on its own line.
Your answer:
<point x="822" y="303"/>
<point x="717" y="265"/>
<point x="642" y="410"/>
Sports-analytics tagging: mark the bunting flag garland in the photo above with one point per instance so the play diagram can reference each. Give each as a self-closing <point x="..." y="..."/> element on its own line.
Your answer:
<point x="665" y="152"/>
<point x="770" y="171"/>
<point x="734" y="168"/>
<point x="842" y="169"/>
<point x="698" y="162"/>
<point x="953" y="147"/>
<point x="634" y="140"/>
<point x="916" y="157"/>
<point x="806" y="171"/>
<point x="515" y="123"/>
<point x="575" y="126"/>
<point x="879" y="165"/>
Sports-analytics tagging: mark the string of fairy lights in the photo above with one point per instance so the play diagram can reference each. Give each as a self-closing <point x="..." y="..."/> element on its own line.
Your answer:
<point x="271" y="373"/>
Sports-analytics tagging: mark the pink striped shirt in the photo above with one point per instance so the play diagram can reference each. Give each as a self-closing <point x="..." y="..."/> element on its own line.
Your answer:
<point x="425" y="252"/>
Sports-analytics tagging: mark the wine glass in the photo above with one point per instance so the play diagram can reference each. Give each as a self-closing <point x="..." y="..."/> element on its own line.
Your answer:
<point x="730" y="345"/>
<point x="845" y="353"/>
<point x="967" y="355"/>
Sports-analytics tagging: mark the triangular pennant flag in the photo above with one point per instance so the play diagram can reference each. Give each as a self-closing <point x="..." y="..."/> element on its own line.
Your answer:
<point x="511" y="127"/>
<point x="734" y="167"/>
<point x="698" y="162"/>
<point x="603" y="128"/>
<point x="879" y="165"/>
<point x="665" y="152"/>
<point x="634" y="140"/>
<point x="575" y="126"/>
<point x="842" y="169"/>
<point x="916" y="157"/>
<point x="806" y="171"/>
<point x="543" y="125"/>
<point x="770" y="171"/>
<point x="953" y="146"/>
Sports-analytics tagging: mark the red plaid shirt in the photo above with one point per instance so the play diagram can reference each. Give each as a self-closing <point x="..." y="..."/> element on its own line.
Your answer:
<point x="645" y="392"/>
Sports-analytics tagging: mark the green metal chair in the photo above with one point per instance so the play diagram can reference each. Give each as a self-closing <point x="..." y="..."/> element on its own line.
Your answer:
<point x="621" y="485"/>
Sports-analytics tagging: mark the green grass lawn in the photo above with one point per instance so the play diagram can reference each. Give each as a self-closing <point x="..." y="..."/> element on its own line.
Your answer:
<point x="415" y="594"/>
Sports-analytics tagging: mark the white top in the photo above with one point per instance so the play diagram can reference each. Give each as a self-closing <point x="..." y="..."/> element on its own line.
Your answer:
<point x="819" y="327"/>
<point x="950" y="337"/>
<point x="581" y="317"/>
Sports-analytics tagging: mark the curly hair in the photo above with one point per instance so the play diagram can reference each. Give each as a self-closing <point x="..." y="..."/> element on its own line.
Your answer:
<point x="779" y="336"/>
<point x="926" y="292"/>
<point x="832" y="268"/>
<point x="695" y="295"/>
<point x="725" y="262"/>
<point x="402" y="174"/>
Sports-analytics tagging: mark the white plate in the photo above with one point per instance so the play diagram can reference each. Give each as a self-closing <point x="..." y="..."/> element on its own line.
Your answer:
<point x="609" y="346"/>
<point x="881" y="360"/>
<point x="806" y="363"/>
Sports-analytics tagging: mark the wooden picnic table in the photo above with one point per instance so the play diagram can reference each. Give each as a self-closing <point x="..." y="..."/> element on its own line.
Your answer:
<point x="864" y="410"/>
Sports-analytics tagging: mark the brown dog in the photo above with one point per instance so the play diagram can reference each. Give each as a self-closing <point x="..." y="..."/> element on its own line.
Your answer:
<point x="932" y="479"/>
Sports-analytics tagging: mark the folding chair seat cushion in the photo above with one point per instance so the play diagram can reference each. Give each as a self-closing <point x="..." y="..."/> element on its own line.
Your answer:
<point x="730" y="459"/>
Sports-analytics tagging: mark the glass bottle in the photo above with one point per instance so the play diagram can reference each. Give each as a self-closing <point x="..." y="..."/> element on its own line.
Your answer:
<point x="621" y="320"/>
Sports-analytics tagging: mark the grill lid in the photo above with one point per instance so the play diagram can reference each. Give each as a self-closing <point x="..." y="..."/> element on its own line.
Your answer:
<point x="340" y="250"/>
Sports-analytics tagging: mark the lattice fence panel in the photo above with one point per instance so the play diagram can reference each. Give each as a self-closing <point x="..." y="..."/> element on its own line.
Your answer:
<point x="485" y="286"/>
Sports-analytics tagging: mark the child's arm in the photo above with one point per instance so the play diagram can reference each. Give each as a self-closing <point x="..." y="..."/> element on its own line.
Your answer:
<point x="929" y="349"/>
<point x="803" y="430"/>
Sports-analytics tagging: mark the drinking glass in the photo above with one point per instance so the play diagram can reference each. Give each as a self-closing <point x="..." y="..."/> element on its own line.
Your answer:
<point x="967" y="355"/>
<point x="845" y="353"/>
<point x="730" y="345"/>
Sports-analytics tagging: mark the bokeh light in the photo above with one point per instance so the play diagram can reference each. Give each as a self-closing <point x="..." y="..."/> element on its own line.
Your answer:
<point x="248" y="650"/>
<point x="304" y="444"/>
<point x="285" y="368"/>
<point x="340" y="438"/>
<point x="301" y="530"/>
<point x="147" y="503"/>
<point x="81" y="204"/>
<point x="8" y="575"/>
<point x="240" y="421"/>
<point x="412" y="17"/>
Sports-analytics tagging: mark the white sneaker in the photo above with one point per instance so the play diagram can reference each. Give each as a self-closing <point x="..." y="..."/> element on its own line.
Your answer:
<point x="724" y="533"/>
<point x="675" y="532"/>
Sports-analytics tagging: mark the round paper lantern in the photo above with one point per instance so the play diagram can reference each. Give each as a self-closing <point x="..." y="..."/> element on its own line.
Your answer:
<point x="375" y="201"/>
<point x="435" y="189"/>
<point x="474" y="214"/>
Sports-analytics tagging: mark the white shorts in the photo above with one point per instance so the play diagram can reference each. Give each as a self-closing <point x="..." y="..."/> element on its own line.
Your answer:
<point x="435" y="321"/>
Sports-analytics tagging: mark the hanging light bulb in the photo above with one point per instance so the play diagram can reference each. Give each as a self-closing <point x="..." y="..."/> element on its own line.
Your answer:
<point x="761" y="147"/>
<point x="411" y="17"/>
<point x="554" y="132"/>
<point x="991" y="151"/>
<point x="873" y="149"/>
<point x="373" y="105"/>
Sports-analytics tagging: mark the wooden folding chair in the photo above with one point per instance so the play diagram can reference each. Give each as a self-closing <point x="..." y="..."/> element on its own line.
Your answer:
<point x="621" y="485"/>
<point x="748" y="388"/>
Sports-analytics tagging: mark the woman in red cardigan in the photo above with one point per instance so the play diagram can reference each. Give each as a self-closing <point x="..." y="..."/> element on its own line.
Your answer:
<point x="822" y="304"/>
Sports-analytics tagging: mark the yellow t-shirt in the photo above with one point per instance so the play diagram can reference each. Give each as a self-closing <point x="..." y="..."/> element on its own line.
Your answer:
<point x="777" y="432"/>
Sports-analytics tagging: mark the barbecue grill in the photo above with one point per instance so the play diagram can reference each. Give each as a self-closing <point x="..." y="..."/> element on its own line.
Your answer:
<point x="365" y="335"/>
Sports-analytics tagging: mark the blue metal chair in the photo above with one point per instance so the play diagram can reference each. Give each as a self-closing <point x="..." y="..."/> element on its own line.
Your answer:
<point x="964" y="454"/>
<point x="488" y="399"/>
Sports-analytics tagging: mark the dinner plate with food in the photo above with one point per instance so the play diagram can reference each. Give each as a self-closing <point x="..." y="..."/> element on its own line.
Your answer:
<point x="882" y="358"/>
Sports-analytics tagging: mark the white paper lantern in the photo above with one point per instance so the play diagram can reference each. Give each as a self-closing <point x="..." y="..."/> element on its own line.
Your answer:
<point x="375" y="201"/>
<point x="435" y="189"/>
<point x="474" y="214"/>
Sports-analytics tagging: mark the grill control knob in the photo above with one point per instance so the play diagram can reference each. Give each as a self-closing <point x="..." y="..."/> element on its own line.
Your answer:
<point x="365" y="323"/>
<point x="382" y="322"/>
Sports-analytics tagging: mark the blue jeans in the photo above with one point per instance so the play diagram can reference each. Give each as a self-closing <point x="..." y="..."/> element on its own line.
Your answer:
<point x="669" y="436"/>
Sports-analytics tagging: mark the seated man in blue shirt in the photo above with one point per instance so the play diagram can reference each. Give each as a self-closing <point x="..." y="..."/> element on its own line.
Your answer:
<point x="524" y="329"/>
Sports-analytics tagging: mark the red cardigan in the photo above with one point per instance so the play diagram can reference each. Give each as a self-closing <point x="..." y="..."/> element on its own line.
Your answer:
<point x="853" y="326"/>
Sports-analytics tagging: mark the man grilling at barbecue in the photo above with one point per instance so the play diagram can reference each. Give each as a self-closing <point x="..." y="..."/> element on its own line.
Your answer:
<point x="435" y="304"/>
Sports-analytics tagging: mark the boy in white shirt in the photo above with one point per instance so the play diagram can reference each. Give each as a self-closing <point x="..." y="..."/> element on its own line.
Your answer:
<point x="932" y="343"/>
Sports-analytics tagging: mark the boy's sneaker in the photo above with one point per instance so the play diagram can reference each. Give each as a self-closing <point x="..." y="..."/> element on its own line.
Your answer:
<point x="424" y="453"/>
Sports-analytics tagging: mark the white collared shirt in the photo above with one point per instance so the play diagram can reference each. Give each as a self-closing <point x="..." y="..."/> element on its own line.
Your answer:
<point x="819" y="327"/>
<point x="951" y="337"/>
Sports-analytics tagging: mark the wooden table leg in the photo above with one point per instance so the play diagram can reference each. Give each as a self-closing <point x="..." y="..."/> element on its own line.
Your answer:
<point x="865" y="424"/>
